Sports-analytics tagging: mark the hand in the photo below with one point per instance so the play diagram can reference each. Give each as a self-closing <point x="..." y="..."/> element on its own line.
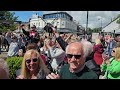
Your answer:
<point x="53" y="76"/>
<point x="20" y="77"/>
<point x="34" y="77"/>
<point x="107" y="62"/>
<point x="54" y="29"/>
<point x="101" y="77"/>
<point x="105" y="57"/>
<point x="55" y="32"/>
<point x="22" y="26"/>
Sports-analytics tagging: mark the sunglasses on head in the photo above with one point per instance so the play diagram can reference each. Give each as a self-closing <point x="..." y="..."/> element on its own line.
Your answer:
<point x="33" y="60"/>
<point x="71" y="55"/>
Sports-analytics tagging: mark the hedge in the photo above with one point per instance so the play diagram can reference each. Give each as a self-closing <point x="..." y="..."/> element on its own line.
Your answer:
<point x="14" y="64"/>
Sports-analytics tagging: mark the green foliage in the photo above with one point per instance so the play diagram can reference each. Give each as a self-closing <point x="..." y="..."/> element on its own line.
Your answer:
<point x="9" y="19"/>
<point x="7" y="15"/>
<point x="118" y="21"/>
<point x="14" y="64"/>
<point x="96" y="30"/>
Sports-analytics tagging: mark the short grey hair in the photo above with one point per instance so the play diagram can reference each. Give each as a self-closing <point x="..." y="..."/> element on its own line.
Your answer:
<point x="87" y="48"/>
<point x="66" y="50"/>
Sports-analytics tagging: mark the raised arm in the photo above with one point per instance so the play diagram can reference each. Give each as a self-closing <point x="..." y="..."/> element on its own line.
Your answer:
<point x="59" y="39"/>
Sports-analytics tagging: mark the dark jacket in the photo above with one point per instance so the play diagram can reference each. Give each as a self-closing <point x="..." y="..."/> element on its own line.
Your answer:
<point x="86" y="73"/>
<point x="90" y="63"/>
<point x="62" y="43"/>
<point x="42" y="74"/>
<point x="31" y="39"/>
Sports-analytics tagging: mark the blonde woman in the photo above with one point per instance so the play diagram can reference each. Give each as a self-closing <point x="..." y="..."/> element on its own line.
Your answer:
<point x="113" y="67"/>
<point x="33" y="66"/>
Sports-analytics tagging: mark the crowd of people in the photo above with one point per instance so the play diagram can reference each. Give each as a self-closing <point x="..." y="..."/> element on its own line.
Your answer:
<point x="61" y="56"/>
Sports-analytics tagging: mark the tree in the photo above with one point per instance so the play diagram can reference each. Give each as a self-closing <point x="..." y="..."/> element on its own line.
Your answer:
<point x="96" y="30"/>
<point x="7" y="20"/>
<point x="89" y="31"/>
<point x="118" y="21"/>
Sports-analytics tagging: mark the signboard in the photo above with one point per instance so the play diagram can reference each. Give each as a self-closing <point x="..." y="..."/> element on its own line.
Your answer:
<point x="95" y="36"/>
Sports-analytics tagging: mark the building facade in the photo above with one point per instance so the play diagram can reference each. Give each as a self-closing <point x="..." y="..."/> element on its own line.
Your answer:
<point x="62" y="20"/>
<point x="37" y="21"/>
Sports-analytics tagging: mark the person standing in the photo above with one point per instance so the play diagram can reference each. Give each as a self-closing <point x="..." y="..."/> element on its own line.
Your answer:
<point x="76" y="68"/>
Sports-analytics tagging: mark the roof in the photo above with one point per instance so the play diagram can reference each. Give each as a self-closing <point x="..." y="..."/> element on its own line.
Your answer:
<point x="111" y="22"/>
<point x="117" y="31"/>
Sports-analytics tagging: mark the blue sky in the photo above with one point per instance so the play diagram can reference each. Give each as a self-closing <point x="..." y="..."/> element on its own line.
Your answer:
<point x="25" y="15"/>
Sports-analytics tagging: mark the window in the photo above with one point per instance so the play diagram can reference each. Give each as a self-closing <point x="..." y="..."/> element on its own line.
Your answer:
<point x="58" y="15"/>
<point x="63" y="23"/>
<point x="66" y="24"/>
<point x="65" y="16"/>
<point x="57" y="23"/>
<point x="53" y="15"/>
<point x="46" y="17"/>
<point x="50" y="16"/>
<point x="62" y="15"/>
<point x="53" y="23"/>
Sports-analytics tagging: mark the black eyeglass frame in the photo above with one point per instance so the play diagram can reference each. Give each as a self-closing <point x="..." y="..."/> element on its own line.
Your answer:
<point x="33" y="60"/>
<point x="75" y="56"/>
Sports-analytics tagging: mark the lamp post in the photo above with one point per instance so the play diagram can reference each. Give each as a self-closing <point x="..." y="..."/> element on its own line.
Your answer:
<point x="114" y="34"/>
<point x="100" y="18"/>
<point x="86" y="24"/>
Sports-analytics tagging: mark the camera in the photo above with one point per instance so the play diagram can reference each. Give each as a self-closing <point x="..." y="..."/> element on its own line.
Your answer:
<point x="48" y="28"/>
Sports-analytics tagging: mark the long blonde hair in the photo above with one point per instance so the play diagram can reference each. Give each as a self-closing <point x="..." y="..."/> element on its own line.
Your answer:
<point x="117" y="53"/>
<point x="97" y="41"/>
<point x="24" y="71"/>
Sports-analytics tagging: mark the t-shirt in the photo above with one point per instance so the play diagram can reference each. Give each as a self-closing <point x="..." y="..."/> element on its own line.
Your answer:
<point x="84" y="74"/>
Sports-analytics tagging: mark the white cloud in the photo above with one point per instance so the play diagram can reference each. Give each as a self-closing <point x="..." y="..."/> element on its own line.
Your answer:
<point x="81" y="16"/>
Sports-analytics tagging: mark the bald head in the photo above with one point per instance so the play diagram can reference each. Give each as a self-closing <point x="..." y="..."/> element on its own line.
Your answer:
<point x="75" y="46"/>
<point x="75" y="56"/>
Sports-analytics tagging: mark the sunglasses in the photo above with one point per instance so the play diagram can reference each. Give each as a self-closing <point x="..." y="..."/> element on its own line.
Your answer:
<point x="33" y="60"/>
<point x="113" y="50"/>
<point x="76" y="56"/>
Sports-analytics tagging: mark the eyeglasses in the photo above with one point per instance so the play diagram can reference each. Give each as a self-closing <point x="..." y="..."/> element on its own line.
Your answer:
<point x="33" y="60"/>
<point x="76" y="56"/>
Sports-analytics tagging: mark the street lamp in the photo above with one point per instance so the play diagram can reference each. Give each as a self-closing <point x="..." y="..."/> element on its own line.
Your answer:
<point x="100" y="18"/>
<point x="86" y="24"/>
